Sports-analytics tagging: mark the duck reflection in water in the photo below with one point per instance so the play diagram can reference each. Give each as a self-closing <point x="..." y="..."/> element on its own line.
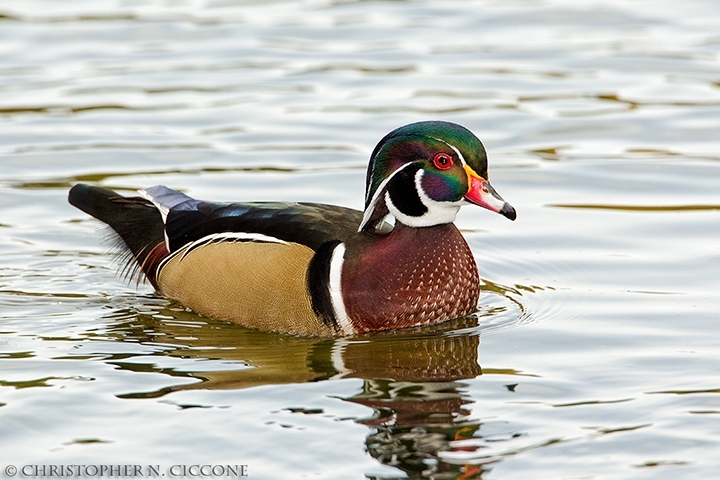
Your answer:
<point x="415" y="423"/>
<point x="412" y="380"/>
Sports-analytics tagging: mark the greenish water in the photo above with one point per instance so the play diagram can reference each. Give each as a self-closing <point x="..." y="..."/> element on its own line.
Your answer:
<point x="595" y="352"/>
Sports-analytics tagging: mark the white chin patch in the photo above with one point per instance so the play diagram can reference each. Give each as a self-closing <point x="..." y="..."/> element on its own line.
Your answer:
<point x="437" y="212"/>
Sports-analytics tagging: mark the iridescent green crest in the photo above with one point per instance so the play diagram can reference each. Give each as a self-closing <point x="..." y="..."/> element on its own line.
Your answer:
<point x="415" y="146"/>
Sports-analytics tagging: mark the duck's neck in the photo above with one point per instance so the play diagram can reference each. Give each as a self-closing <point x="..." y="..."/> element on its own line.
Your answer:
<point x="409" y="277"/>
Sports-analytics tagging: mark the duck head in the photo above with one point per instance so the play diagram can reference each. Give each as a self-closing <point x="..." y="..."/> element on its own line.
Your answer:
<point x="422" y="174"/>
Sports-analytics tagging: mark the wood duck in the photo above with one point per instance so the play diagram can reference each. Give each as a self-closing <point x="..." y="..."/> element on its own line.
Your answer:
<point x="315" y="269"/>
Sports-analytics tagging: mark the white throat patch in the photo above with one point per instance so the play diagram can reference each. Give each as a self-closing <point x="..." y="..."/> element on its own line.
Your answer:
<point x="437" y="212"/>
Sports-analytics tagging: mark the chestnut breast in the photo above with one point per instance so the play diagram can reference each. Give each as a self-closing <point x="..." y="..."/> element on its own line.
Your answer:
<point x="410" y="277"/>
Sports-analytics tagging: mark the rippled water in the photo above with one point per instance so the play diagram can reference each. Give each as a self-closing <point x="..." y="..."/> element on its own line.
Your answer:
<point x="595" y="352"/>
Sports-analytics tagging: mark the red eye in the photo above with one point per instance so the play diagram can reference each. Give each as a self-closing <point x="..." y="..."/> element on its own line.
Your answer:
<point x="443" y="161"/>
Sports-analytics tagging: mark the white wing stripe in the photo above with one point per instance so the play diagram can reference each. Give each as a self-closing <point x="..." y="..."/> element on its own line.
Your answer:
<point x="220" y="237"/>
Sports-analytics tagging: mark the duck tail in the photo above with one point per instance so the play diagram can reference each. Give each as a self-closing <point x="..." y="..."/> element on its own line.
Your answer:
<point x="136" y="221"/>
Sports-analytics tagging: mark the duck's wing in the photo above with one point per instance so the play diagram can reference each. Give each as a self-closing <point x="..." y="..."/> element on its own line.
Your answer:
<point x="190" y="220"/>
<point x="162" y="221"/>
<point x="276" y="257"/>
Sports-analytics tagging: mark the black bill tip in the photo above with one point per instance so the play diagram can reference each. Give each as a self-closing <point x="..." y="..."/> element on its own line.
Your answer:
<point x="508" y="212"/>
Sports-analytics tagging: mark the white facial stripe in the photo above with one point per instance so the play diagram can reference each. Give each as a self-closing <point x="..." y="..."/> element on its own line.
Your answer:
<point x="371" y="206"/>
<point x="455" y="149"/>
<point x="437" y="214"/>
<point x="341" y="316"/>
<point x="445" y="209"/>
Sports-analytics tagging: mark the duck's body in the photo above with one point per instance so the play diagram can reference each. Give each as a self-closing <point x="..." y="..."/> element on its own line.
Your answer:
<point x="313" y="269"/>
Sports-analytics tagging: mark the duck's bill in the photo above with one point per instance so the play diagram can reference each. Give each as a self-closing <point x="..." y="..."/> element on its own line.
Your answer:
<point x="483" y="194"/>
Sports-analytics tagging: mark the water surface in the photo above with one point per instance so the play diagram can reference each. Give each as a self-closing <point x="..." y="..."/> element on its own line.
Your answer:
<point x="594" y="352"/>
